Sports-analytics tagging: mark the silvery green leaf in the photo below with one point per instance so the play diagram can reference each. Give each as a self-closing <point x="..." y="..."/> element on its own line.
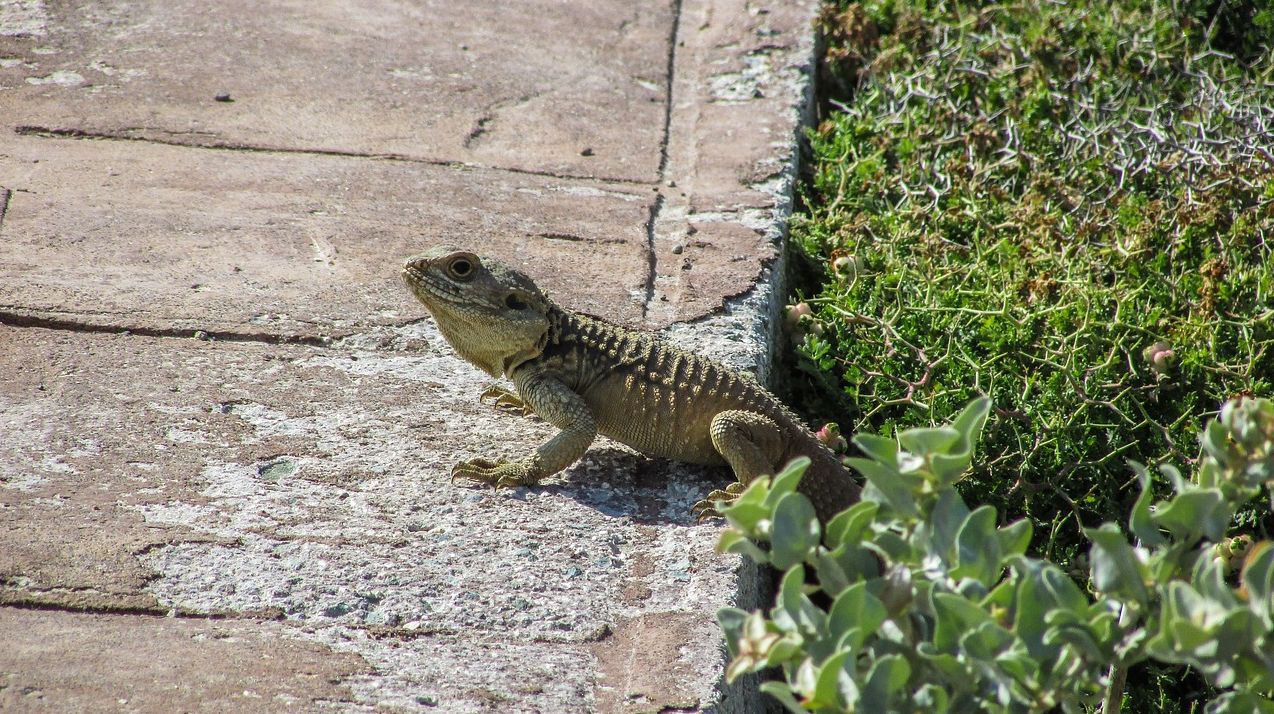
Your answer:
<point x="892" y="485"/>
<point x="851" y="525"/>
<point x="1194" y="513"/>
<point x="833" y="683"/>
<point x="881" y="449"/>
<point x="1139" y="521"/>
<point x="787" y="480"/>
<point x="731" y="620"/>
<point x="783" y="693"/>
<point x="795" y="531"/>
<point x="856" y="608"/>
<point x="978" y="548"/>
<point x="925" y="441"/>
<point x="1115" y="567"/>
<point x="887" y="676"/>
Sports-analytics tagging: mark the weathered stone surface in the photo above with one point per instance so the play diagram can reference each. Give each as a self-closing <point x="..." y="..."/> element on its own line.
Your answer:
<point x="274" y="473"/>
<point x="645" y="663"/>
<point x="543" y="86"/>
<point x="740" y="90"/>
<point x="741" y="85"/>
<point x="739" y="73"/>
<point x="74" y="662"/>
<point x="66" y="535"/>
<point x="311" y="483"/>
<point x="140" y="235"/>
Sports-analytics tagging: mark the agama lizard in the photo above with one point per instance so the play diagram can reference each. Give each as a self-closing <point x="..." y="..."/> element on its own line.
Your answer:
<point x="587" y="376"/>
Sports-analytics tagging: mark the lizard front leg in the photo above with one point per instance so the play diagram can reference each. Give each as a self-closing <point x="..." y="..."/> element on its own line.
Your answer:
<point x="505" y="399"/>
<point x="556" y="404"/>
<point x="751" y="443"/>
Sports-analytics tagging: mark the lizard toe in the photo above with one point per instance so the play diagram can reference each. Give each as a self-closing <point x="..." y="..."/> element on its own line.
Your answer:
<point x="710" y="506"/>
<point x="705" y="509"/>
<point x="719" y="496"/>
<point x="506" y="400"/>
<point x="478" y="469"/>
<point x="708" y="512"/>
<point x="509" y="481"/>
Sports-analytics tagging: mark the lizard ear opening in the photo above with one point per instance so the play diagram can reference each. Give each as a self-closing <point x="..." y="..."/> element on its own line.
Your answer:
<point x="515" y="302"/>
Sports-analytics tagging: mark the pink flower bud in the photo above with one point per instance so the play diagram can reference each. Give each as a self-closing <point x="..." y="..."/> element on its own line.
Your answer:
<point x="1161" y="357"/>
<point x="830" y="436"/>
<point x="845" y="267"/>
<point x="794" y="313"/>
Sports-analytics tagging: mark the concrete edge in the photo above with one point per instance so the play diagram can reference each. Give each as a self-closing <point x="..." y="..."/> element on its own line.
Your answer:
<point x="747" y="333"/>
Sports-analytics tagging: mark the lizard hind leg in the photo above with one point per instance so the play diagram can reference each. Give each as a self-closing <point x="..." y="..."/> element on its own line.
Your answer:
<point x="751" y="443"/>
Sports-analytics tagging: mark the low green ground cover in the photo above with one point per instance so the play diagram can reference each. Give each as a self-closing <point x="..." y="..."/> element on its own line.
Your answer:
<point x="1068" y="207"/>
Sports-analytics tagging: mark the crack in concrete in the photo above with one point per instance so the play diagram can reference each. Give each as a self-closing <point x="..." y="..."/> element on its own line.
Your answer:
<point x="652" y="258"/>
<point x="64" y="133"/>
<point x="157" y="611"/>
<point x="22" y="604"/>
<point x="571" y="237"/>
<point x="479" y="128"/>
<point x="669" y="75"/>
<point x="18" y="319"/>
<point x="5" y="194"/>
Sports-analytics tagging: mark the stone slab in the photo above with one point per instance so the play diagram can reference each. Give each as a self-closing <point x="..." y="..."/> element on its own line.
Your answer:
<point x="141" y="236"/>
<point x="740" y="94"/>
<point x="322" y="229"/>
<point x="311" y="484"/>
<point x="253" y="477"/>
<point x="432" y="80"/>
<point x="74" y="662"/>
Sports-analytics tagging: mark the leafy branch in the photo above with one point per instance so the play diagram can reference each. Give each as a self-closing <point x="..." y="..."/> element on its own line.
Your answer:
<point x="911" y="600"/>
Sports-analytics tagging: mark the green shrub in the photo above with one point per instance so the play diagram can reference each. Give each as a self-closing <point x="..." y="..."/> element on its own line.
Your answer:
<point x="910" y="601"/>
<point x="1064" y="206"/>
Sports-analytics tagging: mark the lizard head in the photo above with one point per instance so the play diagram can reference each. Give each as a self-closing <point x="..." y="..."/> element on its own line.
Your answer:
<point x="494" y="316"/>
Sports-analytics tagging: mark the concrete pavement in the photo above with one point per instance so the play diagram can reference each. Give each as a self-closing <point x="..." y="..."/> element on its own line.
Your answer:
<point x="225" y="429"/>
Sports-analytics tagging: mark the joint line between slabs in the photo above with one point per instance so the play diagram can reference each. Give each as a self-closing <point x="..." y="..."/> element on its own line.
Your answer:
<point x="651" y="258"/>
<point x="670" y="74"/>
<point x="60" y="133"/>
<point x="17" y="319"/>
<point x="5" y="195"/>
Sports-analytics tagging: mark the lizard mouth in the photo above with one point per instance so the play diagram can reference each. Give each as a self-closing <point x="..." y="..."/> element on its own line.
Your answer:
<point x="428" y="291"/>
<point x="411" y="275"/>
<point x="416" y="282"/>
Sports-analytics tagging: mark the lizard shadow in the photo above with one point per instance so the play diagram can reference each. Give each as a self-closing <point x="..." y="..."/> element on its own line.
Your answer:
<point x="621" y="483"/>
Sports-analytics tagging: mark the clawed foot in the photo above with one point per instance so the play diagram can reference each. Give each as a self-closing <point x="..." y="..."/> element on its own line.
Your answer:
<point x="707" y="508"/>
<point x="498" y="473"/>
<point x="505" y="399"/>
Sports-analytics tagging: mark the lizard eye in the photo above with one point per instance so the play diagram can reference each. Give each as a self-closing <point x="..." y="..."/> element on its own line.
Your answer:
<point x="460" y="268"/>
<point x="514" y="302"/>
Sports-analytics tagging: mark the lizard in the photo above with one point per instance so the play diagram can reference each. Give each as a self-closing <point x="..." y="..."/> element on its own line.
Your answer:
<point x="587" y="376"/>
